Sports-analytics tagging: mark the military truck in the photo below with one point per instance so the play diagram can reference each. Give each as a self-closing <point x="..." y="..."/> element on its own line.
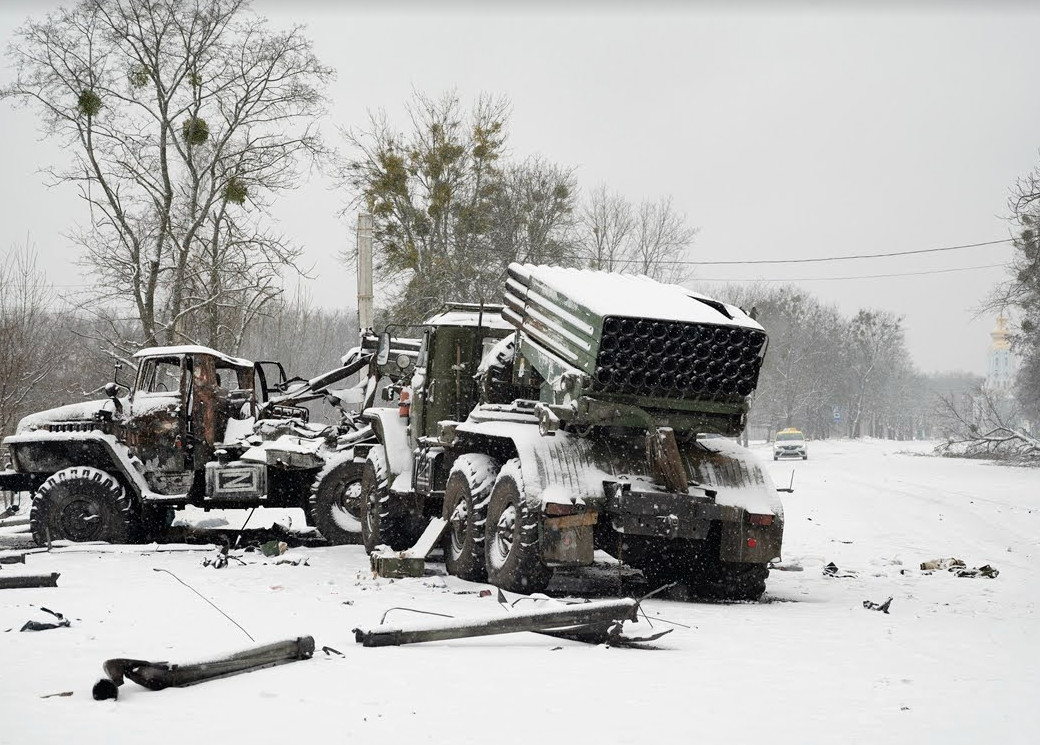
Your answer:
<point x="572" y="419"/>
<point x="197" y="427"/>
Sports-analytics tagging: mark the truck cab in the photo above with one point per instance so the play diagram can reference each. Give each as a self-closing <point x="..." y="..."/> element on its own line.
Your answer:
<point x="454" y="342"/>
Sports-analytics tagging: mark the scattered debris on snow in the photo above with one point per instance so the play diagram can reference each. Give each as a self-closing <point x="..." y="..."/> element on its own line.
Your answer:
<point x="832" y="570"/>
<point x="959" y="568"/>
<point x="411" y="562"/>
<point x="883" y="607"/>
<point x="61" y="623"/>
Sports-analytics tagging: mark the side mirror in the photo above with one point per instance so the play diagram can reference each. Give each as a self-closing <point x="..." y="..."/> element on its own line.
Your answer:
<point x="383" y="351"/>
<point x="112" y="391"/>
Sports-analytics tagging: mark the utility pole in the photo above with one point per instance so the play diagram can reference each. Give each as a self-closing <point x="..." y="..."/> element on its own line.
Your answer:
<point x="364" y="273"/>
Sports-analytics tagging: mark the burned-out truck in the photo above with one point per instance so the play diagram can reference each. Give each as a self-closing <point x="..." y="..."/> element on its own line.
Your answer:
<point x="591" y="411"/>
<point x="197" y="427"/>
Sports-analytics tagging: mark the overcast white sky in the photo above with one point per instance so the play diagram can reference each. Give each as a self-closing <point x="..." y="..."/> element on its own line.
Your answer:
<point x="787" y="130"/>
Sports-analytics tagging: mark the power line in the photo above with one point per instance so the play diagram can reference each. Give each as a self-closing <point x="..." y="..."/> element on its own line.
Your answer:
<point x="857" y="276"/>
<point x="847" y="258"/>
<point x="616" y="263"/>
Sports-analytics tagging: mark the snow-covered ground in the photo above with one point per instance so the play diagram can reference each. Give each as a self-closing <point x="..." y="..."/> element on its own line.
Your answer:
<point x="957" y="660"/>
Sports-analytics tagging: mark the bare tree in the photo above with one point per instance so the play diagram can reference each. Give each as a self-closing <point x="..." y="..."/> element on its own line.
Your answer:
<point x="183" y="118"/>
<point x="606" y="225"/>
<point x="661" y="238"/>
<point x="874" y="348"/>
<point x="27" y="334"/>
<point x="652" y="238"/>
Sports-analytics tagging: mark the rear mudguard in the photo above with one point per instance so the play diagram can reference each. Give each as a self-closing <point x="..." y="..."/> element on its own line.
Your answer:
<point x="727" y="482"/>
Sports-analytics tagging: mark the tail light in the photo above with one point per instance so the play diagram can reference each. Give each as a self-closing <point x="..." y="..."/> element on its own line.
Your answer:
<point x="760" y="520"/>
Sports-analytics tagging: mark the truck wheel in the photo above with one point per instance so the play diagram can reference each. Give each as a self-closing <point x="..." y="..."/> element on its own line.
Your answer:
<point x="80" y="504"/>
<point x="733" y="581"/>
<point x="465" y="508"/>
<point x="511" y="544"/>
<point x="384" y="520"/>
<point x="335" y="502"/>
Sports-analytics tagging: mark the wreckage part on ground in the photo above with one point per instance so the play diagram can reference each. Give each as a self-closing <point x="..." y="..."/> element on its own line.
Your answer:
<point x="411" y="562"/>
<point x="599" y="613"/>
<point x="159" y="675"/>
<point x="883" y="607"/>
<point x="18" y="581"/>
<point x="959" y="568"/>
<point x="60" y="623"/>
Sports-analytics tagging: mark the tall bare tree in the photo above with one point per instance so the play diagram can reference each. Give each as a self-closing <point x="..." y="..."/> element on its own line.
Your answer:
<point x="606" y="224"/>
<point x="651" y="238"/>
<point x="28" y="332"/>
<point x="661" y="238"/>
<point x="875" y="349"/>
<point x="183" y="119"/>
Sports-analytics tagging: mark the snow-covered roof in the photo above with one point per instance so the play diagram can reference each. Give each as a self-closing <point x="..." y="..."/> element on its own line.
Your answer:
<point x="489" y="319"/>
<point x="191" y="349"/>
<point x="637" y="296"/>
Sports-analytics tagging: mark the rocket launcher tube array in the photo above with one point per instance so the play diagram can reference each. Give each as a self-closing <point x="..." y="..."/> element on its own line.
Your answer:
<point x="659" y="358"/>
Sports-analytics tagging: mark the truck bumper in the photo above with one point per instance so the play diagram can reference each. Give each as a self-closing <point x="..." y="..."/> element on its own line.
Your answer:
<point x="16" y="481"/>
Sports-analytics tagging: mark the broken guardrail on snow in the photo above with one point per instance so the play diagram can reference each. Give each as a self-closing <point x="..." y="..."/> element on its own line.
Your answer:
<point x="159" y="675"/>
<point x="596" y="622"/>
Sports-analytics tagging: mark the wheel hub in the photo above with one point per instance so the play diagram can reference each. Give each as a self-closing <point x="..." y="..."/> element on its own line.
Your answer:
<point x="459" y="518"/>
<point x="505" y="531"/>
<point x="346" y="508"/>
<point x="81" y="520"/>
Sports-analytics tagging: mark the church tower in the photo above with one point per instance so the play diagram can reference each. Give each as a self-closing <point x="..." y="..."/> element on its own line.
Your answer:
<point x="1000" y="374"/>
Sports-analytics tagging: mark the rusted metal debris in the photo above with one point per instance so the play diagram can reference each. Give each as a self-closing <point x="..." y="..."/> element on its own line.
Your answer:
<point x="159" y="675"/>
<point x="11" y="582"/>
<point x="597" y="622"/>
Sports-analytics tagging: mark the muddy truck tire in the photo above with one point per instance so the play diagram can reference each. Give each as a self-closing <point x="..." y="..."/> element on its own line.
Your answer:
<point x="466" y="499"/>
<point x="81" y="504"/>
<point x="334" y="507"/>
<point x="512" y="549"/>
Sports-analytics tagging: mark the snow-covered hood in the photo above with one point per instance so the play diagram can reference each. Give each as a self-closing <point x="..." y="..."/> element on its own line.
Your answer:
<point x="82" y="411"/>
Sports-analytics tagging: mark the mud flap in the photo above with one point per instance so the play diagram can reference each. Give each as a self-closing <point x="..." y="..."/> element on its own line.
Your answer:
<point x="567" y="540"/>
<point x="750" y="544"/>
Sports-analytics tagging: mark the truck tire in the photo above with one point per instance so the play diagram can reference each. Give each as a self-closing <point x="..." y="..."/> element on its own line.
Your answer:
<point x="511" y="543"/>
<point x="334" y="507"/>
<point x="733" y="581"/>
<point x="81" y="504"/>
<point x="384" y="519"/>
<point x="465" y="508"/>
